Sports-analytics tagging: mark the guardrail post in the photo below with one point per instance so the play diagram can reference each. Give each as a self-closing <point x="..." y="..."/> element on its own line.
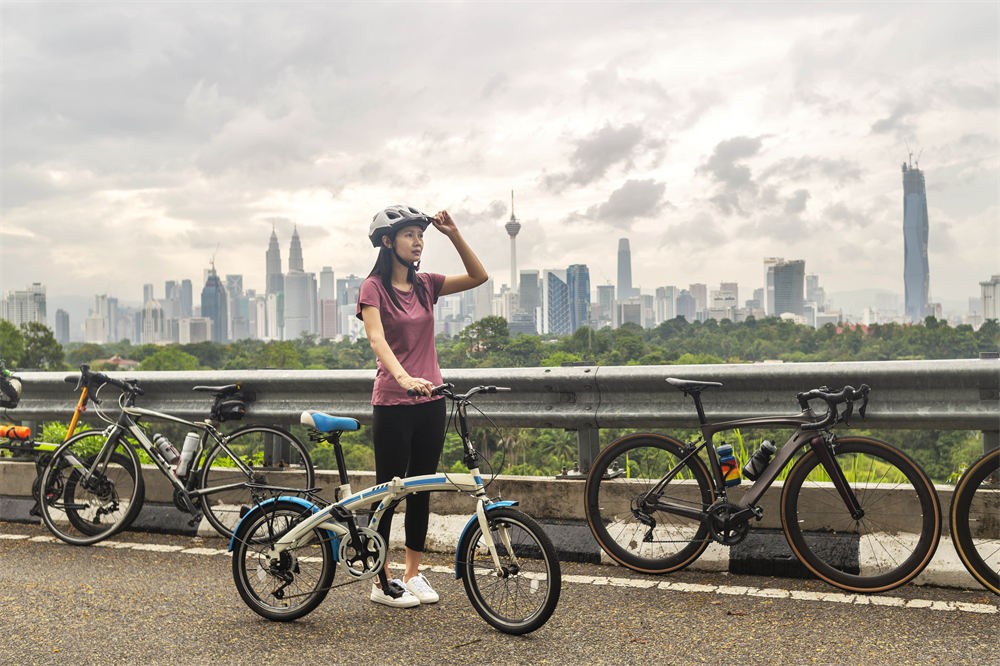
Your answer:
<point x="588" y="444"/>
<point x="991" y="438"/>
<point x="278" y="449"/>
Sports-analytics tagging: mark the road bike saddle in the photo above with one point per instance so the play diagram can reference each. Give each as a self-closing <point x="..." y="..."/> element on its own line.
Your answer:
<point x="221" y="390"/>
<point x="326" y="423"/>
<point x="691" y="385"/>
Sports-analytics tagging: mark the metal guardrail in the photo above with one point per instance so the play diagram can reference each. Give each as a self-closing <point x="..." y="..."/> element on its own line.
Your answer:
<point x="953" y="394"/>
<point x="945" y="395"/>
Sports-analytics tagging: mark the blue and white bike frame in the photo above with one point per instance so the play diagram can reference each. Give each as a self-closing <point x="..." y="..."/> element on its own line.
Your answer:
<point x="336" y="522"/>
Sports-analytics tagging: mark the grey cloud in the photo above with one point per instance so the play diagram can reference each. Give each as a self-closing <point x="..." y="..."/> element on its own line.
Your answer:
<point x="723" y="166"/>
<point x="843" y="215"/>
<point x="895" y="121"/>
<point x="495" y="84"/>
<point x="735" y="180"/>
<point x="596" y="153"/>
<point x="839" y="170"/>
<point x="797" y="203"/>
<point x="634" y="199"/>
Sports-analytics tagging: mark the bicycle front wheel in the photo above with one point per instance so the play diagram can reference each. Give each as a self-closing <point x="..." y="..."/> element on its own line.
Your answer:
<point x="81" y="506"/>
<point x="885" y="547"/>
<point x="975" y="520"/>
<point x="628" y="503"/>
<point x="288" y="586"/>
<point x="520" y="596"/>
<point x="273" y="456"/>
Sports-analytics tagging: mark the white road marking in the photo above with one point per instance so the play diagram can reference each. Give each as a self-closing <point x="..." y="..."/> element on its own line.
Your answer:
<point x="668" y="586"/>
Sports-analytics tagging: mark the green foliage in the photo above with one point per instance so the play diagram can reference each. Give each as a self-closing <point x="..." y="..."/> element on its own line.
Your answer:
<point x="41" y="351"/>
<point x="169" y="358"/>
<point x="11" y="344"/>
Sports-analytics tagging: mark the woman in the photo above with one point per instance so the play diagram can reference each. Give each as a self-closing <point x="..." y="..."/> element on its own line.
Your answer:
<point x="396" y="304"/>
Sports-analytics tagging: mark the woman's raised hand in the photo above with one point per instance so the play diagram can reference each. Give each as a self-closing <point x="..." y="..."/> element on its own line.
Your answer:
<point x="443" y="223"/>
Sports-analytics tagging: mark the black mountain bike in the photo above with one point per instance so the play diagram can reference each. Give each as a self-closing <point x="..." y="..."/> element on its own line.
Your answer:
<point x="975" y="520"/>
<point x="99" y="479"/>
<point x="857" y="512"/>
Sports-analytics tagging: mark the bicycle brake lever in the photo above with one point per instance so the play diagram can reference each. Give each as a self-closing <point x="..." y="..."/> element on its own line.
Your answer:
<point x="864" y="406"/>
<point x="848" y="412"/>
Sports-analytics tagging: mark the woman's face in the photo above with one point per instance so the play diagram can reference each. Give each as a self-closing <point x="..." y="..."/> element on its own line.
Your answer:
<point x="409" y="243"/>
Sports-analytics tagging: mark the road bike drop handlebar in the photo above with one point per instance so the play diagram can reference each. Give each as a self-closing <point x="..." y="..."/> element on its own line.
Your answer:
<point x="95" y="380"/>
<point x="848" y="395"/>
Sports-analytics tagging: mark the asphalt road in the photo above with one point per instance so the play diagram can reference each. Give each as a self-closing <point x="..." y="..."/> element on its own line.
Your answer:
<point x="167" y="599"/>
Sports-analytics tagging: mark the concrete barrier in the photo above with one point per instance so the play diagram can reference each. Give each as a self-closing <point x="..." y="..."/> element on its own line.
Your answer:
<point x="556" y="504"/>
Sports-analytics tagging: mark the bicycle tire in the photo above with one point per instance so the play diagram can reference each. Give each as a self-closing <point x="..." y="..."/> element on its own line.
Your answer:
<point x="83" y="514"/>
<point x="294" y="469"/>
<point x="886" y="547"/>
<point x="523" y="599"/>
<point x="617" y="514"/>
<point x="975" y="520"/>
<point x="261" y="581"/>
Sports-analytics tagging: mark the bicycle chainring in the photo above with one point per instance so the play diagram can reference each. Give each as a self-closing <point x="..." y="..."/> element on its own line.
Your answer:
<point x="723" y="528"/>
<point x="365" y="559"/>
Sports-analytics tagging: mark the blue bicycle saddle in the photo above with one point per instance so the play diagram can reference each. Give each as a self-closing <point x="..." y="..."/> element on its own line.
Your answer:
<point x="326" y="423"/>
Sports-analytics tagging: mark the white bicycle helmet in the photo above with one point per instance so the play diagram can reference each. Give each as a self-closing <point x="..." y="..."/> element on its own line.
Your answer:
<point x="392" y="219"/>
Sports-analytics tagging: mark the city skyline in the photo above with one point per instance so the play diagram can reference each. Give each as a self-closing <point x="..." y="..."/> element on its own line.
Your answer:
<point x="793" y="151"/>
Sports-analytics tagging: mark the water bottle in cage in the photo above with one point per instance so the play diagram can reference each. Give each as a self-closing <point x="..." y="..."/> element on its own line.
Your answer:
<point x="759" y="460"/>
<point x="165" y="448"/>
<point x="730" y="467"/>
<point x="188" y="451"/>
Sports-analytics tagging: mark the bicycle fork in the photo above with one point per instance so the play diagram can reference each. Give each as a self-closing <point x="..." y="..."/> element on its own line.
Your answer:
<point x="823" y="446"/>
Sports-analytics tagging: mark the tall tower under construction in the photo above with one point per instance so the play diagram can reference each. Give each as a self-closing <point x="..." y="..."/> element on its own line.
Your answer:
<point x="916" y="276"/>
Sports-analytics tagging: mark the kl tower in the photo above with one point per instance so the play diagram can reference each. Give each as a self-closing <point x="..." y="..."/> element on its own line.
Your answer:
<point x="512" y="227"/>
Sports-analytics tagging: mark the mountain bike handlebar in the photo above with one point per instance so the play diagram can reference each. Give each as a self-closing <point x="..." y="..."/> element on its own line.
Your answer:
<point x="848" y="395"/>
<point x="446" y="391"/>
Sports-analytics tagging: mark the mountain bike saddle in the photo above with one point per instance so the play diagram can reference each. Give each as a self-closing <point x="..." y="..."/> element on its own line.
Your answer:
<point x="326" y="423"/>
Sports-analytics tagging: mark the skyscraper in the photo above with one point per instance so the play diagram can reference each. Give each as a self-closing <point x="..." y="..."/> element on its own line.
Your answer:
<point x="789" y="287"/>
<point x="23" y="306"/>
<point x="578" y="284"/>
<point x="213" y="306"/>
<point x="275" y="281"/>
<point x="555" y="302"/>
<point x="916" y="276"/>
<point x="625" y="289"/>
<point x="187" y="298"/>
<point x="295" y="252"/>
<point x="512" y="227"/>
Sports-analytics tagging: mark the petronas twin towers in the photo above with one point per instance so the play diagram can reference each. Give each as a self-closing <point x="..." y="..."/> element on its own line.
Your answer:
<point x="294" y="309"/>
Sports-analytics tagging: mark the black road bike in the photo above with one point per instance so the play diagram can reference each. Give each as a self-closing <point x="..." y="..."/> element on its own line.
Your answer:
<point x="975" y="520"/>
<point x="857" y="512"/>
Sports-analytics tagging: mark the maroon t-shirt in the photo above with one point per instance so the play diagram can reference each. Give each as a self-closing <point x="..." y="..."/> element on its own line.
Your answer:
<point x="410" y="334"/>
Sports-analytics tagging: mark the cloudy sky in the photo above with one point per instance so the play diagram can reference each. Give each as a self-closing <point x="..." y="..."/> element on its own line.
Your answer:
<point x="138" y="140"/>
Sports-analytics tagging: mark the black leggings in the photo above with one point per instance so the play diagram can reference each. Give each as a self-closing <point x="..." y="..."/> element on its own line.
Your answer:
<point x="408" y="442"/>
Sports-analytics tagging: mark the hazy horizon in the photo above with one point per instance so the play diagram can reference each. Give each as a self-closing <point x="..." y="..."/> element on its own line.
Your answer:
<point x="140" y="140"/>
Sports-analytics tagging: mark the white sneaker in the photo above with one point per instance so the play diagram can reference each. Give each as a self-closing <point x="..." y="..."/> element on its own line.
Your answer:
<point x="422" y="589"/>
<point x="405" y="600"/>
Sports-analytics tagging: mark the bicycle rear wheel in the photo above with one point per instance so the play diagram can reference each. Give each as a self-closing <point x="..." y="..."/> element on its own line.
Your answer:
<point x="884" y="548"/>
<point x="624" y="492"/>
<point x="975" y="520"/>
<point x="82" y="507"/>
<point x="289" y="586"/>
<point x="274" y="456"/>
<point x="521" y="596"/>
